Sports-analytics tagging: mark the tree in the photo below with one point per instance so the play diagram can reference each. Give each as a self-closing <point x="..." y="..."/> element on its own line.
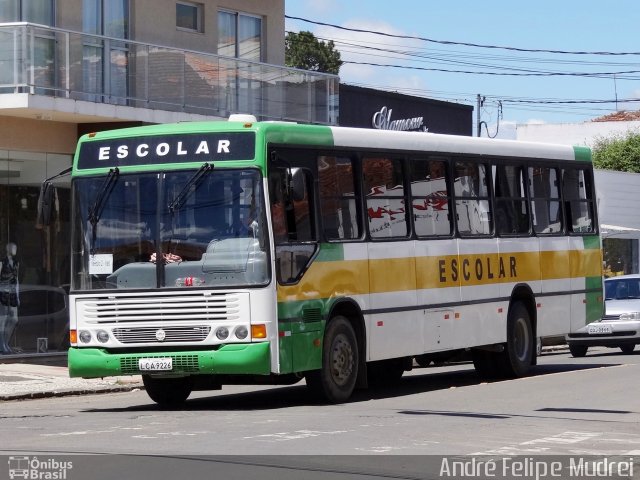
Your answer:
<point x="620" y="153"/>
<point x="303" y="50"/>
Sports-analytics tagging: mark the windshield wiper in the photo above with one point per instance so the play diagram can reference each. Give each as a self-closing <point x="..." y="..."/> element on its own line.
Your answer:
<point x="182" y="197"/>
<point x="95" y="211"/>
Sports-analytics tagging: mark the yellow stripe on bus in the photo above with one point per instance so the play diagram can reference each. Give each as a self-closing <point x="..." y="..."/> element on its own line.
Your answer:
<point x="359" y="277"/>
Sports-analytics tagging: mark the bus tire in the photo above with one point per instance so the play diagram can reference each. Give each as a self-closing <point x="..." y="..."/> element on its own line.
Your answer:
<point x="168" y="392"/>
<point x="385" y="372"/>
<point x="485" y="363"/>
<point x="578" y="351"/>
<point x="335" y="381"/>
<point x="520" y="348"/>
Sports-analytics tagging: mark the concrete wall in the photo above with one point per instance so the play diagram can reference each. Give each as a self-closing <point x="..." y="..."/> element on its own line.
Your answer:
<point x="37" y="135"/>
<point x="586" y="133"/>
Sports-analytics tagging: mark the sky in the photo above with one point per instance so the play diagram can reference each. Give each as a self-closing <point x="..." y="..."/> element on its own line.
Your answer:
<point x="559" y="25"/>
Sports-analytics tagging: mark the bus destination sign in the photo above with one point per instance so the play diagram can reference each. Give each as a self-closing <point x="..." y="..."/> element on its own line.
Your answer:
<point x="163" y="149"/>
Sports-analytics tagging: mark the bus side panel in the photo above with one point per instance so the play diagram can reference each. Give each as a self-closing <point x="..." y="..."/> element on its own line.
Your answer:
<point x="395" y="326"/>
<point x="586" y="270"/>
<point x="554" y="313"/>
<point x="479" y="321"/>
<point x="438" y="284"/>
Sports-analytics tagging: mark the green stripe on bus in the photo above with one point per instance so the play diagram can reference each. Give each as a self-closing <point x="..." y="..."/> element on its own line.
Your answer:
<point x="591" y="242"/>
<point x="582" y="154"/>
<point x="330" y="252"/>
<point x="594" y="308"/>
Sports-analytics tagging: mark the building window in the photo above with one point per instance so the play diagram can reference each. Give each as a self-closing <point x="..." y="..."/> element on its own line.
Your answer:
<point x="240" y="35"/>
<point x="189" y="16"/>
<point x="27" y="11"/>
<point x="105" y="61"/>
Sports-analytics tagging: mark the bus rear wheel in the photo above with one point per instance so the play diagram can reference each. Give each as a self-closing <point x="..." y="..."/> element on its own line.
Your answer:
<point x="168" y="392"/>
<point x="336" y="379"/>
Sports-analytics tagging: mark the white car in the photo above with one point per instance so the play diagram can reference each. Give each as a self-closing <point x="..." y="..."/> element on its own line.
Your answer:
<point x="620" y="327"/>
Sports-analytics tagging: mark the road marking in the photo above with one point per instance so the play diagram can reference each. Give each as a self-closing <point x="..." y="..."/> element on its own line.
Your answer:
<point x="297" y="435"/>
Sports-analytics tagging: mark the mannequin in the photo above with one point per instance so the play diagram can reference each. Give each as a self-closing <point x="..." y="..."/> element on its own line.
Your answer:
<point x="9" y="297"/>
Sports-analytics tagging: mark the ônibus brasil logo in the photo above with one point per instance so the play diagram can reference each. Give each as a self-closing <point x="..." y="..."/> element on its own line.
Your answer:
<point x="38" y="469"/>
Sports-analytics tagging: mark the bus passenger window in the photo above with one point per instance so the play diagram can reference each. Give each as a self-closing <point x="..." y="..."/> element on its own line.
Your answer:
<point x="338" y="205"/>
<point x="576" y="189"/>
<point x="544" y="190"/>
<point x="473" y="213"/>
<point x="430" y="197"/>
<point x="384" y="188"/>
<point x="511" y="213"/>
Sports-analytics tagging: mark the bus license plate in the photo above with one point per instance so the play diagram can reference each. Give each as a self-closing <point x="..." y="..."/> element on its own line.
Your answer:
<point x="599" y="329"/>
<point x="155" y="364"/>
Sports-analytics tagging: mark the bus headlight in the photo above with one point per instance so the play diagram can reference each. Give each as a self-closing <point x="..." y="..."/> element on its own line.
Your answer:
<point x="222" y="333"/>
<point x="84" y="336"/>
<point x="102" y="336"/>
<point x="242" y="333"/>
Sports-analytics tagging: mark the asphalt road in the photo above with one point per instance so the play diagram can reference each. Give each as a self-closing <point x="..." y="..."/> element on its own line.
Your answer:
<point x="586" y="406"/>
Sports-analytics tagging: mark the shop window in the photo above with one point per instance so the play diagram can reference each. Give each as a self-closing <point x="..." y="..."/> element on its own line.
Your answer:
<point x="384" y="189"/>
<point x="338" y="206"/>
<point x="430" y="197"/>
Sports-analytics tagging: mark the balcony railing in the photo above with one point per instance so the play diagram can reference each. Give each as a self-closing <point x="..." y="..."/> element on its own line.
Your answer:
<point x="51" y="61"/>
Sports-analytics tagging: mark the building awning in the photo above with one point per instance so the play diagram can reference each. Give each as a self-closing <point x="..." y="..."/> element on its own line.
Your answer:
<point x="616" y="231"/>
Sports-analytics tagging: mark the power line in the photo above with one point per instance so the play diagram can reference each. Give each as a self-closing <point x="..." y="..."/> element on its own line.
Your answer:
<point x="465" y="44"/>
<point x="529" y="73"/>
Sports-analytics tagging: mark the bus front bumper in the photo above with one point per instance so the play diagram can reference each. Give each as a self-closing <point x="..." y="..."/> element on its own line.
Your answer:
<point x="248" y="358"/>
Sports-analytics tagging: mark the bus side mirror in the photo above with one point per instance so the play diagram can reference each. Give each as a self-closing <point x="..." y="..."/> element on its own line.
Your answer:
<point x="45" y="204"/>
<point x="46" y="200"/>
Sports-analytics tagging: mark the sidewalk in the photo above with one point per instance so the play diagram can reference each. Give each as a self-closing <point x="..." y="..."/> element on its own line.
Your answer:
<point x="24" y="381"/>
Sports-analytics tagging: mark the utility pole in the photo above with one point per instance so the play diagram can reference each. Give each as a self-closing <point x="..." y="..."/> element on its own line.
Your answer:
<point x="478" y="122"/>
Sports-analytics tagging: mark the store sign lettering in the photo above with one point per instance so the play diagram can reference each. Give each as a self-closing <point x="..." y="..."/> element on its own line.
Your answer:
<point x="382" y="121"/>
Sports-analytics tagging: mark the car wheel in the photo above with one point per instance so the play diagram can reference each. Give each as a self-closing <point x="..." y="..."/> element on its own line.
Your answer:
<point x="627" y="349"/>
<point x="578" y="350"/>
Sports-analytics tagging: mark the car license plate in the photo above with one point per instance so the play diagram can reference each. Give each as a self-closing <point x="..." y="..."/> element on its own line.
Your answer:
<point x="155" y="364"/>
<point x="599" y="329"/>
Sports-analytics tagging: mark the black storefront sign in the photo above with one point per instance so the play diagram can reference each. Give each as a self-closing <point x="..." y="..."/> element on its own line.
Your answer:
<point x="370" y="108"/>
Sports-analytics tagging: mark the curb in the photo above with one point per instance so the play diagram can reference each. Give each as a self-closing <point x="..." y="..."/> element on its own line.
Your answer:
<point x="65" y="393"/>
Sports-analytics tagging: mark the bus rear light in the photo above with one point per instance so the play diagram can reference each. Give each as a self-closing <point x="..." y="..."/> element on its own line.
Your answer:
<point x="258" y="331"/>
<point x="73" y="337"/>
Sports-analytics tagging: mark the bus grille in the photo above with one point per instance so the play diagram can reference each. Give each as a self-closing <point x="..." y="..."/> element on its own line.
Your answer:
<point x="181" y="364"/>
<point x="192" y="307"/>
<point x="169" y="334"/>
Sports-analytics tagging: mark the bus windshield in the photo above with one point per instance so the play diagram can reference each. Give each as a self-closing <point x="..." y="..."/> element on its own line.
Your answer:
<point x="173" y="229"/>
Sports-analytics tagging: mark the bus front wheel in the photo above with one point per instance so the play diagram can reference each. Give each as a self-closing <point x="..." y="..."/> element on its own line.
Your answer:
<point x="336" y="379"/>
<point x="167" y="392"/>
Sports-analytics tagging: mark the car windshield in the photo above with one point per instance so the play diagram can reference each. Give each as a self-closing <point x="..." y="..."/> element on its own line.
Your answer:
<point x="622" y="289"/>
<point x="201" y="227"/>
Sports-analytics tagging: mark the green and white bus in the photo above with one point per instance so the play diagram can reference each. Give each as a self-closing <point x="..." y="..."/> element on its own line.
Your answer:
<point x="206" y="254"/>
